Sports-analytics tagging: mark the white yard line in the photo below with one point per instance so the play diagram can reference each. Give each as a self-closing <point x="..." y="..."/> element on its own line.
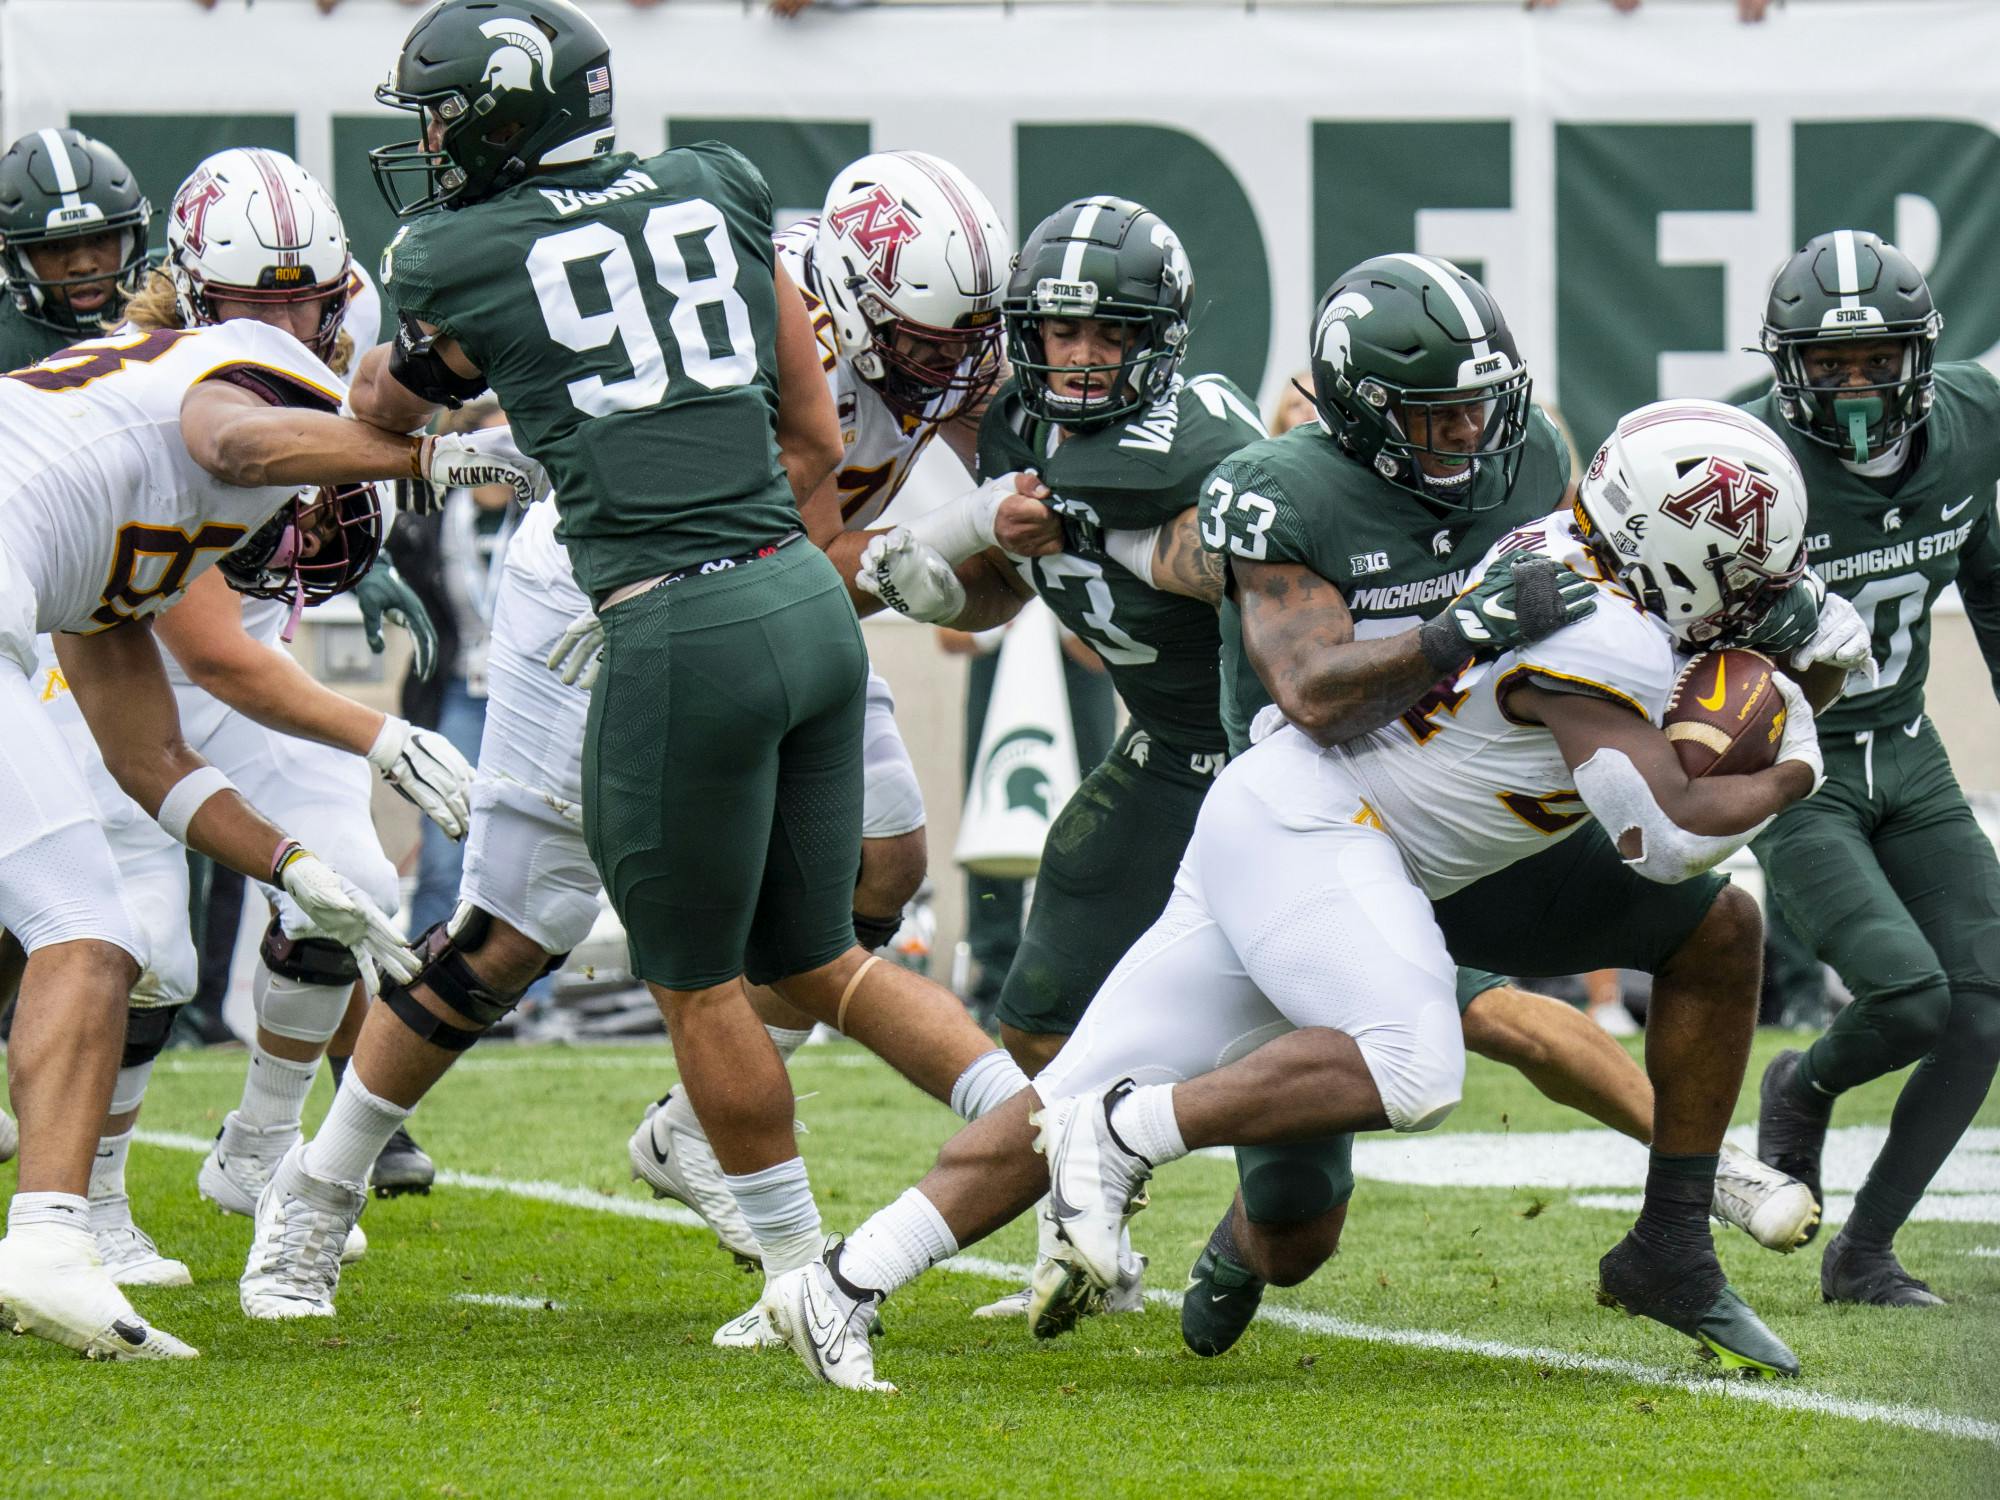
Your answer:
<point x="508" y="1299"/>
<point x="1787" y="1396"/>
<point x="1988" y="1252"/>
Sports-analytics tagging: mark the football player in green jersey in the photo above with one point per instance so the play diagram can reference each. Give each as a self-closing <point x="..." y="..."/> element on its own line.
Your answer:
<point x="1885" y="873"/>
<point x="1345" y="540"/>
<point x="72" y="242"/>
<point x="649" y="349"/>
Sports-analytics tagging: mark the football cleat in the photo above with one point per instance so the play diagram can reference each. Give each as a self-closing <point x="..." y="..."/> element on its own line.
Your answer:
<point x="1059" y="1294"/>
<point x="241" y="1161"/>
<point x="751" y="1330"/>
<point x="671" y="1155"/>
<point x="825" y="1318"/>
<point x="402" y="1167"/>
<point x="10" y="1136"/>
<point x="1013" y="1305"/>
<point x="127" y="1251"/>
<point x="53" y="1285"/>
<point x="1858" y="1273"/>
<point x="1221" y="1298"/>
<point x="1690" y="1296"/>
<point x="1096" y="1182"/>
<point x="302" y="1227"/>
<point x="1776" y="1211"/>
<point x="1791" y="1136"/>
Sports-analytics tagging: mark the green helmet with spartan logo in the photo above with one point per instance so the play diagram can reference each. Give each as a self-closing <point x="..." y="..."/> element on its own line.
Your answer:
<point x="1411" y="359"/>
<point x="501" y="87"/>
<point x="1108" y="260"/>
<point x="1852" y="287"/>
<point x="58" y="185"/>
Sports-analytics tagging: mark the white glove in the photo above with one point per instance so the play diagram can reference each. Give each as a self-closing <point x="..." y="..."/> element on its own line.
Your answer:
<point x="1799" y="739"/>
<point x="963" y="527"/>
<point x="1840" y="638"/>
<point x="427" y="770"/>
<point x="461" y="460"/>
<point x="911" y="578"/>
<point x="344" y="913"/>
<point x="579" y="651"/>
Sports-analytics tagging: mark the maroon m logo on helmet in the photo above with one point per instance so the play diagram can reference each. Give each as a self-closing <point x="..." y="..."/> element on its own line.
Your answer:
<point x="191" y="206"/>
<point x="879" y="227"/>
<point x="1732" y="499"/>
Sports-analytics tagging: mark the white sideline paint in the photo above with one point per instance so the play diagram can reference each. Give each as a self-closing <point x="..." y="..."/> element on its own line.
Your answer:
<point x="1988" y="1252"/>
<point x="1966" y="1191"/>
<point x="508" y="1299"/>
<point x="1789" y="1396"/>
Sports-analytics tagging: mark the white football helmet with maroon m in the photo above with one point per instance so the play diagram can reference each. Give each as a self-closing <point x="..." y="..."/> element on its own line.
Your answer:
<point x="1699" y="511"/>
<point x="912" y="260"/>
<point x="252" y="225"/>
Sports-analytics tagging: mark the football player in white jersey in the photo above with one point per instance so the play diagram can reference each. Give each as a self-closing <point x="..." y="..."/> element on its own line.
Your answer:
<point x="1299" y="949"/>
<point x="298" y="749"/>
<point x="902" y="277"/>
<point x="134" y="463"/>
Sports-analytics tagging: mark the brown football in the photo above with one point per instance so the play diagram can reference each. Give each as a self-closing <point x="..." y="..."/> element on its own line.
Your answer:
<point x="1725" y="715"/>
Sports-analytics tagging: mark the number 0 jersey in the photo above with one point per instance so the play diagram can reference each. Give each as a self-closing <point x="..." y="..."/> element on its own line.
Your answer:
<point x="1463" y="788"/>
<point x="625" y="315"/>
<point x="1892" y="551"/>
<point x="103" y="512"/>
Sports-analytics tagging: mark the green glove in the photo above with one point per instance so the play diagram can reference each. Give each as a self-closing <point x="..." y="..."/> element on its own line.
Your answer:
<point x="1791" y="622"/>
<point x="1515" y="603"/>
<point x="383" y="595"/>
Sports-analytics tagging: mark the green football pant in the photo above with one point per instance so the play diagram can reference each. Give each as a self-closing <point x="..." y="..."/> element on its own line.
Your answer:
<point x="722" y="771"/>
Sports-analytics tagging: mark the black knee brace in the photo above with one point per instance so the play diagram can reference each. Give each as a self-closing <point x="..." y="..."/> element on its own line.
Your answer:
<point x="146" y="1030"/>
<point x="307" y="960"/>
<point x="446" y="974"/>
<point x="872" y="932"/>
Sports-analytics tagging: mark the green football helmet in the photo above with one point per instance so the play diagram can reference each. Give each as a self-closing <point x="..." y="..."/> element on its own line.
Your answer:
<point x="1109" y="260"/>
<point x="506" y="86"/>
<point x="1850" y="286"/>
<point x="60" y="185"/>
<point x="1406" y="349"/>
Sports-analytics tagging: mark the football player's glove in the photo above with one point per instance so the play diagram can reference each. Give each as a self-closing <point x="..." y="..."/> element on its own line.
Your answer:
<point x="1791" y="623"/>
<point x="1513" y="605"/>
<point x="579" y="650"/>
<point x="465" y="460"/>
<point x="911" y="578"/>
<point x="342" y="912"/>
<point x="427" y="770"/>
<point x="383" y="595"/>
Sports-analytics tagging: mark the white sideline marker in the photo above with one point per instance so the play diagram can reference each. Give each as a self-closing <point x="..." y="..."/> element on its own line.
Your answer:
<point x="1788" y="1396"/>
<point x="508" y="1299"/>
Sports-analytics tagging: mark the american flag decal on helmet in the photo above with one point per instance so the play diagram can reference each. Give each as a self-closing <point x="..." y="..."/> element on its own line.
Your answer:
<point x="597" y="80"/>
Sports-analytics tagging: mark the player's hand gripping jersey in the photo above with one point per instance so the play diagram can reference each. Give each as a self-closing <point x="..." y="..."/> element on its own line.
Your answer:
<point x="1160" y="647"/>
<point x="105" y="516"/>
<point x="1463" y="788"/>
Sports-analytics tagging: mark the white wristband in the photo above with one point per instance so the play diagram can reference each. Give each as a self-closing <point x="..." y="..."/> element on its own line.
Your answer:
<point x="185" y="798"/>
<point x="961" y="528"/>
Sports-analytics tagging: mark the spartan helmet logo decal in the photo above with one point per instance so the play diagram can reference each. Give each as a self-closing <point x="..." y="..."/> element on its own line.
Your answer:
<point x="522" y="61"/>
<point x="1332" y="339"/>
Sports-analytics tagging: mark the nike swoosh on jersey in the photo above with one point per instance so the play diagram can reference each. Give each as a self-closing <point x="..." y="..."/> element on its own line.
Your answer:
<point x="1951" y="510"/>
<point x="1714" y="700"/>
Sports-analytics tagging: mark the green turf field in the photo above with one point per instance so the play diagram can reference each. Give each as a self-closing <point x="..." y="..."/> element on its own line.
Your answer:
<point x="1453" y="1346"/>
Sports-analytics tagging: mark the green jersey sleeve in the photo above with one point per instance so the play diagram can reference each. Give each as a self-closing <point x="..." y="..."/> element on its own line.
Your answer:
<point x="1979" y="588"/>
<point x="1246" y="513"/>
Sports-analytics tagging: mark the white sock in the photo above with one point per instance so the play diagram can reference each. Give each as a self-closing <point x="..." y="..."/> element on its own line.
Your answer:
<point x="989" y="1081"/>
<point x="275" y="1092"/>
<point x="1144" y="1120"/>
<point x="107" y="1168"/>
<point x="57" y="1210"/>
<point x="356" y="1129"/>
<point x="129" y="1092"/>
<point x="788" y="1041"/>
<point x="777" y="1203"/>
<point x="897" y="1245"/>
